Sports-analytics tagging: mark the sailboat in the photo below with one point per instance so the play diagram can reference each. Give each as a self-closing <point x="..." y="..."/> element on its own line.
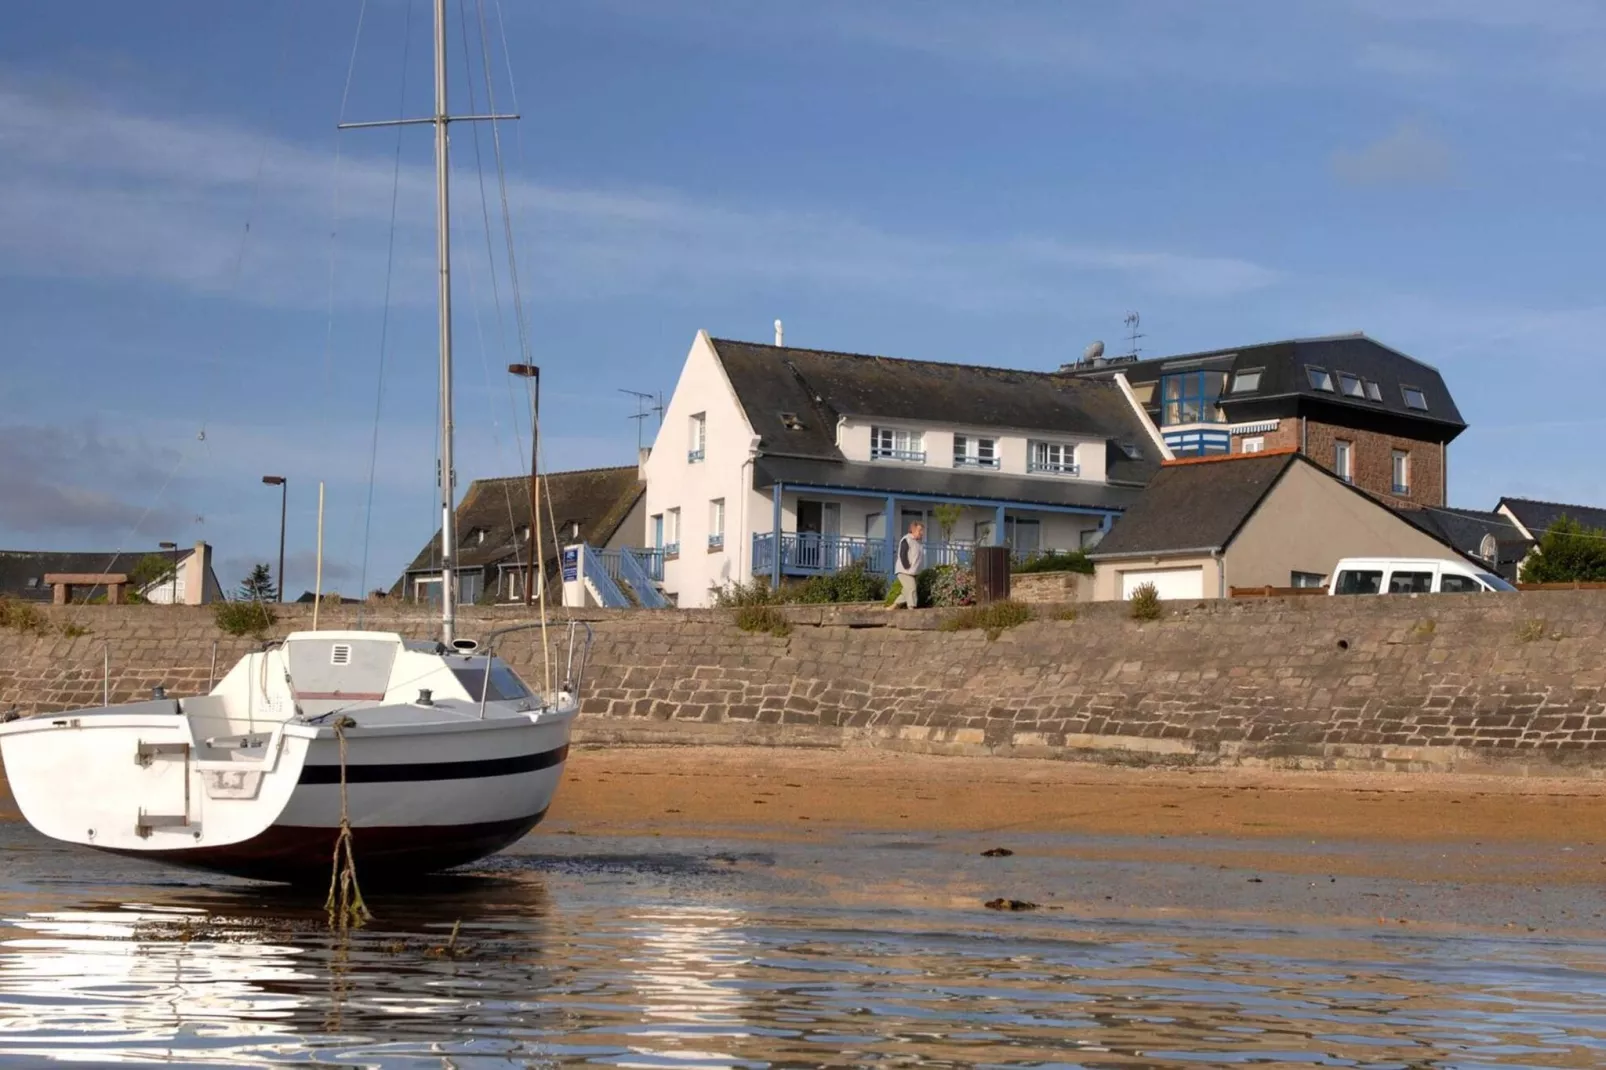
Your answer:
<point x="433" y="753"/>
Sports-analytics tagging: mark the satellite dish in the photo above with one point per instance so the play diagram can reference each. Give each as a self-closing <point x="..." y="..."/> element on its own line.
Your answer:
<point x="1489" y="548"/>
<point x="1093" y="352"/>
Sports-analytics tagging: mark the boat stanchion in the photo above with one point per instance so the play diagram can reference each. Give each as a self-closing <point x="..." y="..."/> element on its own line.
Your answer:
<point x="345" y="904"/>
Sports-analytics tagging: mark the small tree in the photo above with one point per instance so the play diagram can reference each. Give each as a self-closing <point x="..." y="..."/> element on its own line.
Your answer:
<point x="1567" y="552"/>
<point x="258" y="586"/>
<point x="947" y="516"/>
<point x="152" y="570"/>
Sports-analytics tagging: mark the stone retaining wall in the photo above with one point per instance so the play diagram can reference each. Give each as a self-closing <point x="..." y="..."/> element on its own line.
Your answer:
<point x="1471" y="682"/>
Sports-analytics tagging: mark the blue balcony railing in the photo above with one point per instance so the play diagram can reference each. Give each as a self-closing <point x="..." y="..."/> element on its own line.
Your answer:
<point x="1056" y="468"/>
<point x="879" y="454"/>
<point x="693" y="456"/>
<point x="649" y="560"/>
<point x="716" y="542"/>
<point x="975" y="462"/>
<point x="813" y="554"/>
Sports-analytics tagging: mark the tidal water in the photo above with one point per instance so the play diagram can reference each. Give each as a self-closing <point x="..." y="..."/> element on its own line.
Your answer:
<point x="864" y="950"/>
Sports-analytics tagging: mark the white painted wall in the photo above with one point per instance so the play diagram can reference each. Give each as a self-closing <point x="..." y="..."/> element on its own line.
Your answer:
<point x="853" y="439"/>
<point x="724" y="472"/>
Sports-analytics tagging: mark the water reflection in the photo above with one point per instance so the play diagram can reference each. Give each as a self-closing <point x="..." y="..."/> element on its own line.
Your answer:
<point x="704" y="963"/>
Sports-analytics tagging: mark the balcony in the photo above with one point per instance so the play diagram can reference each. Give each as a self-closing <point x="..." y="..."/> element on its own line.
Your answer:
<point x="812" y="554"/>
<point x="716" y="543"/>
<point x="1054" y="468"/>
<point x="694" y="456"/>
<point x="976" y="462"/>
<point x="671" y="551"/>
<point x="878" y="453"/>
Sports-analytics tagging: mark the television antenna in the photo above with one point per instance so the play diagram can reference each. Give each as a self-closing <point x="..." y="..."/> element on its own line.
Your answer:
<point x="646" y="405"/>
<point x="1132" y="321"/>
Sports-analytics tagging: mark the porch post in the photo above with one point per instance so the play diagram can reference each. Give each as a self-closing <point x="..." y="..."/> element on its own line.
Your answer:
<point x="775" y="535"/>
<point x="890" y="530"/>
<point x="998" y="526"/>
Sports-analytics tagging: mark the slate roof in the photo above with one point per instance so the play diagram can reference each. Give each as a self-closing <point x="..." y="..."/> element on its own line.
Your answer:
<point x="1284" y="376"/>
<point x="1195" y="507"/>
<point x="1465" y="529"/>
<point x="940" y="482"/>
<point x="600" y="499"/>
<point x="1537" y="517"/>
<point x="818" y="386"/>
<point x="19" y="567"/>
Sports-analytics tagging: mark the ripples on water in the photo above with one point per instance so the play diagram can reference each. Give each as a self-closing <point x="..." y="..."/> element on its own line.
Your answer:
<point x="695" y="958"/>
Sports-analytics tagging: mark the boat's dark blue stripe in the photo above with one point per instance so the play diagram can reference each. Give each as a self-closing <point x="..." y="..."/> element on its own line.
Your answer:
<point x="414" y="771"/>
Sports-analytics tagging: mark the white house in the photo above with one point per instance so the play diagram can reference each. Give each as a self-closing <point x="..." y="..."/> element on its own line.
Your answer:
<point x="781" y="462"/>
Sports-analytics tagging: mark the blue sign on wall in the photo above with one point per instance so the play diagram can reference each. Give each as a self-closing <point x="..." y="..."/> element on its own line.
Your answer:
<point x="571" y="564"/>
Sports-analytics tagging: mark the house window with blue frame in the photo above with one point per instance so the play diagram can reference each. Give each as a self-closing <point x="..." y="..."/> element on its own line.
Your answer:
<point x="1191" y="398"/>
<point x="897" y="444"/>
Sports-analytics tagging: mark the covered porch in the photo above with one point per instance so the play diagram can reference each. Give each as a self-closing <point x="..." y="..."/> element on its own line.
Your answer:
<point x="820" y="526"/>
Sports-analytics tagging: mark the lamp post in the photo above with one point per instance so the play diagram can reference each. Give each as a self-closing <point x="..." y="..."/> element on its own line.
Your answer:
<point x="173" y="546"/>
<point x="284" y="492"/>
<point x="532" y="373"/>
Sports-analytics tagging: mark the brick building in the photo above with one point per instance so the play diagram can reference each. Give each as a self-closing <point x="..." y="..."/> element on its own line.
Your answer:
<point x="1371" y="415"/>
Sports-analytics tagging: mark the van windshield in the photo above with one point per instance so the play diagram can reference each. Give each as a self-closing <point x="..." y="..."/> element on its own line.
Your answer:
<point x="1496" y="582"/>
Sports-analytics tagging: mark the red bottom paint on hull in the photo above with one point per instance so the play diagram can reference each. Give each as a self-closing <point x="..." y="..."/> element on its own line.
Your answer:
<point x="294" y="854"/>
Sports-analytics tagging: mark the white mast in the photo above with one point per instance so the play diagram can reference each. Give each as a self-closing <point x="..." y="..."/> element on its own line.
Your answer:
<point x="443" y="254"/>
<point x="443" y="251"/>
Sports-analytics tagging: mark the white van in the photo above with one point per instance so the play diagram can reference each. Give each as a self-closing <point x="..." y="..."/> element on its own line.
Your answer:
<point x="1412" y="575"/>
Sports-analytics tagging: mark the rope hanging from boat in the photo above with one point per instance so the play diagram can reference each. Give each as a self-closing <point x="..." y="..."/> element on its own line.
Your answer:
<point x="345" y="905"/>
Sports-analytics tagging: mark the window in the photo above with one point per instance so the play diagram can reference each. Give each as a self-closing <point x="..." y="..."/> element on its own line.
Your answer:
<point x="658" y="530"/>
<point x="790" y="421"/>
<point x="1350" y="385"/>
<point x="697" y="440"/>
<point x="1252" y="445"/>
<point x="973" y="452"/>
<point x="1306" y="579"/>
<point x="1058" y="458"/>
<point x="1410" y="582"/>
<point x="1089" y="539"/>
<point x="1022" y="535"/>
<point x="1319" y="379"/>
<point x="1449" y="584"/>
<point x="897" y="444"/>
<point x="672" y="532"/>
<point x="1414" y="398"/>
<point x="1143" y="393"/>
<point x="1373" y="392"/>
<point x="505" y="685"/>
<point x="875" y="526"/>
<point x="1190" y="398"/>
<point x="716" y="524"/>
<point x="1359" y="581"/>
<point x="1402" y="472"/>
<point x="1247" y="380"/>
<point x="470" y="585"/>
<point x="1343" y="453"/>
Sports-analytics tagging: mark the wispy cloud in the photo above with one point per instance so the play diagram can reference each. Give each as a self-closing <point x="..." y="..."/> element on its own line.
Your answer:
<point x="88" y="191"/>
<point x="1410" y="154"/>
<point x="55" y="480"/>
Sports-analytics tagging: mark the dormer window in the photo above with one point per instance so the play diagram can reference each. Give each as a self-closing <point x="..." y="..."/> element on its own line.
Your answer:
<point x="524" y="533"/>
<point x="1350" y="385"/>
<point x="971" y="451"/>
<point x="1247" y="381"/>
<point x="1320" y="379"/>
<point x="1373" y="392"/>
<point x="1414" y="398"/>
<point x="790" y="421"/>
<point x="897" y="444"/>
<point x="474" y="537"/>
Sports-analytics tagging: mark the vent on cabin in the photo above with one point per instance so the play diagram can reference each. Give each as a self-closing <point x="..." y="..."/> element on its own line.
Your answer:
<point x="790" y="421"/>
<point x="340" y="654"/>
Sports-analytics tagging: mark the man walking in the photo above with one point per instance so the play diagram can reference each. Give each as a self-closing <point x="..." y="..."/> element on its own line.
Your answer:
<point x="911" y="559"/>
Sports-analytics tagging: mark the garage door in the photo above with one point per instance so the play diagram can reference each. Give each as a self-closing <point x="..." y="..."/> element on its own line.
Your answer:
<point x="1170" y="582"/>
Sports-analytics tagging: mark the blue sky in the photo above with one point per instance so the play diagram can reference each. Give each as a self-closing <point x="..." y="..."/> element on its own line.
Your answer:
<point x="186" y="243"/>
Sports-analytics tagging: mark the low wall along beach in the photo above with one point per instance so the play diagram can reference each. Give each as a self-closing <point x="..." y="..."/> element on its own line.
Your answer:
<point x="1475" y="683"/>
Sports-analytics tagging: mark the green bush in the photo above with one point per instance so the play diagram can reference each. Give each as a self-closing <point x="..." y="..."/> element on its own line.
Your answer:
<point x="1145" y="603"/>
<point x="992" y="618"/>
<point x="1567" y="552"/>
<point x="762" y="618"/>
<point x="755" y="592"/>
<point x="852" y="584"/>
<point x="943" y="586"/>
<point x="1056" y="561"/>
<point x="243" y="618"/>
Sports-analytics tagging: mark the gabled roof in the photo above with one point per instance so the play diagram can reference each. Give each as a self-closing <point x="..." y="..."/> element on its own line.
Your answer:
<point x="1196" y="506"/>
<point x="1537" y="516"/>
<point x="23" y="572"/>
<point x="1284" y="374"/>
<point x="598" y="499"/>
<point x="1467" y="530"/>
<point x="817" y="387"/>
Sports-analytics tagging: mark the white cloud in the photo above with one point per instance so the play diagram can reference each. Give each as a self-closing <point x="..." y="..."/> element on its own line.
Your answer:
<point x="1410" y="154"/>
<point x="88" y="191"/>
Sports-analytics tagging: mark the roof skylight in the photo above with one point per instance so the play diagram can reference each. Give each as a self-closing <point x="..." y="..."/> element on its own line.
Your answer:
<point x="1319" y="378"/>
<point x="1414" y="398"/>
<point x="1246" y="381"/>
<point x="790" y="421"/>
<point x="1350" y="385"/>
<point x="1373" y="393"/>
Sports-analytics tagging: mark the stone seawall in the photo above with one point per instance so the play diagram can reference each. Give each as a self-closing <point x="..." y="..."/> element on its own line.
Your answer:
<point x="1507" y="683"/>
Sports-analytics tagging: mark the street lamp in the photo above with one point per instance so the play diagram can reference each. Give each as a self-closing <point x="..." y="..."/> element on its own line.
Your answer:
<point x="532" y="373"/>
<point x="173" y="546"/>
<point x="284" y="492"/>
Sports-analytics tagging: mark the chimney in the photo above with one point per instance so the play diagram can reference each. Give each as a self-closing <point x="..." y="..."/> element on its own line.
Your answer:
<point x="197" y="568"/>
<point x="641" y="462"/>
<point x="780" y="334"/>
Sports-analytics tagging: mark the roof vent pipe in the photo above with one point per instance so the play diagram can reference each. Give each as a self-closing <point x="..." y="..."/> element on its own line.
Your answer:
<point x="780" y="334"/>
